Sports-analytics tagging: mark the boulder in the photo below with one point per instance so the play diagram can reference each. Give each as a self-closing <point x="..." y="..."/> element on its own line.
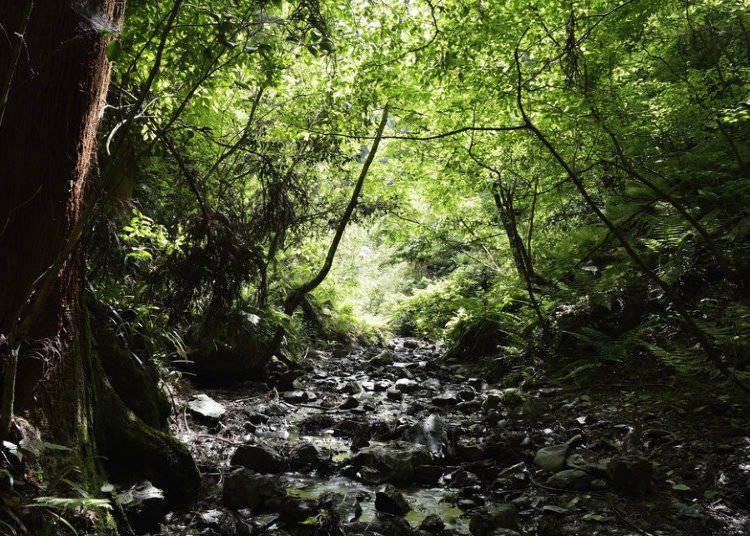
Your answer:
<point x="487" y="520"/>
<point x="258" y="458"/>
<point x="245" y="489"/>
<point x="390" y="501"/>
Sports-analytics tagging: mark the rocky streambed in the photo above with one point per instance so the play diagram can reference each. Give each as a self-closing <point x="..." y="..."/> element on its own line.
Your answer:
<point x="394" y="441"/>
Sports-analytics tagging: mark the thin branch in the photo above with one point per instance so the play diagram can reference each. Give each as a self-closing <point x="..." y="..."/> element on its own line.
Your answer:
<point x="431" y="137"/>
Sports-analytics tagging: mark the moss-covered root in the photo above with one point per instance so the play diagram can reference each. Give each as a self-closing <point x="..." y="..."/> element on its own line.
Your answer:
<point x="135" y="451"/>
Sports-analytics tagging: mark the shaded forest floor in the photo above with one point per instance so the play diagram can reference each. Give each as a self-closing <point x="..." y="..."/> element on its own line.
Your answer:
<point x="315" y="454"/>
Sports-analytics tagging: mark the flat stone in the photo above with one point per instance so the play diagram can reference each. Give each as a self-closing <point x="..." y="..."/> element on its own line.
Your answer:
<point x="445" y="399"/>
<point x="206" y="408"/>
<point x="571" y="479"/>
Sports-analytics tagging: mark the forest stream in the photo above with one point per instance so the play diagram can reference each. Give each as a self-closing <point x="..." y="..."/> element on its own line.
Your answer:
<point x="383" y="268"/>
<point x="391" y="440"/>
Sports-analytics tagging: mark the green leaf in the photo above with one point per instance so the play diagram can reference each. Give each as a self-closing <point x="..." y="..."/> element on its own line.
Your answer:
<point x="114" y="50"/>
<point x="681" y="487"/>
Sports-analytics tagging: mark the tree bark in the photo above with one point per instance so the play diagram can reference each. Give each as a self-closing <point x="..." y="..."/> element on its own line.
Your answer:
<point x="47" y="144"/>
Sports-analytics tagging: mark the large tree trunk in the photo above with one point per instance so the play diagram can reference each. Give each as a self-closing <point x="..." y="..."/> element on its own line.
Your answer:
<point x="47" y="143"/>
<point x="48" y="136"/>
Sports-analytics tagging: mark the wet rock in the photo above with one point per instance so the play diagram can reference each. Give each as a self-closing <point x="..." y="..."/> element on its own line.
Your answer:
<point x="315" y="423"/>
<point x="360" y="440"/>
<point x="298" y="396"/>
<point x="245" y="489"/>
<point x="552" y="458"/>
<point x="470" y="406"/>
<point x="406" y="385"/>
<point x="430" y="432"/>
<point x="469" y="450"/>
<point x="467" y="394"/>
<point x="512" y="398"/>
<point x="305" y="456"/>
<point x="476" y="383"/>
<point x="350" y="428"/>
<point x="349" y="403"/>
<point x="487" y="520"/>
<point x="384" y="358"/>
<point x="445" y="399"/>
<point x="217" y="523"/>
<point x="432" y="524"/>
<point x="571" y="479"/>
<point x="345" y="507"/>
<point x="461" y="478"/>
<point x="506" y="447"/>
<point x="383" y="464"/>
<point x="466" y="504"/>
<point x="258" y="458"/>
<point x="411" y="344"/>
<point x="433" y="384"/>
<point x="428" y="474"/>
<point x="389" y="525"/>
<point x="390" y="501"/>
<point x="381" y="386"/>
<point x="630" y="475"/>
<point x="351" y="388"/>
<point x="294" y="510"/>
<point x="688" y="511"/>
<point x="394" y="395"/>
<point x="144" y="505"/>
<point x="492" y="402"/>
<point x="205" y="408"/>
